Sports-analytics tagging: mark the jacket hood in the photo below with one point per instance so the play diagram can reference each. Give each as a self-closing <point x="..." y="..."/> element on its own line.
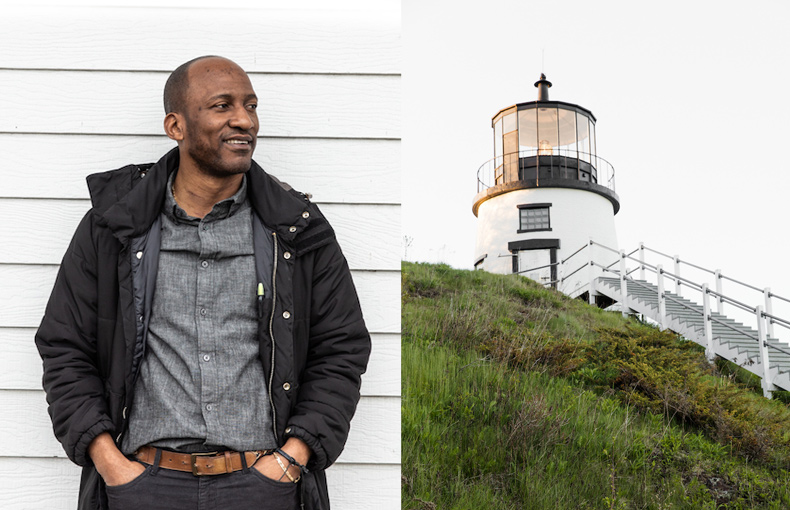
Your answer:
<point x="129" y="199"/>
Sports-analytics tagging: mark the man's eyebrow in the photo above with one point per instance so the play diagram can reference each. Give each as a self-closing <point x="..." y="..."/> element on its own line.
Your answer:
<point x="230" y="96"/>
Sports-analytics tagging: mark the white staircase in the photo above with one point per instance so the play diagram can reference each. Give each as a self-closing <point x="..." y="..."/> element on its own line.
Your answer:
<point x="730" y="339"/>
<point x="751" y="344"/>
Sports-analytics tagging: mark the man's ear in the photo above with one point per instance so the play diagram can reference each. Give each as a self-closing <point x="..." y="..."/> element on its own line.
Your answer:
<point x="175" y="126"/>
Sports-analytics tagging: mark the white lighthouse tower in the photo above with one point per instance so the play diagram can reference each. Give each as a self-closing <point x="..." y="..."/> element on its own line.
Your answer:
<point x="545" y="194"/>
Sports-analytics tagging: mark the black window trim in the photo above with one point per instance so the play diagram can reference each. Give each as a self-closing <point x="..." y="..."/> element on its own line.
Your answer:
<point x="544" y="205"/>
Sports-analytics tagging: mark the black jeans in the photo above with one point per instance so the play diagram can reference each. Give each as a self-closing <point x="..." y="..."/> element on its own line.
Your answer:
<point x="165" y="489"/>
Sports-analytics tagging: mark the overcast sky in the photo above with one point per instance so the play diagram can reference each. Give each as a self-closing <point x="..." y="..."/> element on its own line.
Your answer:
<point x="692" y="110"/>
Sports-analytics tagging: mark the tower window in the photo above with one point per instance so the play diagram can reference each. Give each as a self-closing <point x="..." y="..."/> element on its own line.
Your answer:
<point x="534" y="217"/>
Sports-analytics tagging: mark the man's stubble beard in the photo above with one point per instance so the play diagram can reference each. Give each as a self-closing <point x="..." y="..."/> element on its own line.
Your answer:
<point x="208" y="161"/>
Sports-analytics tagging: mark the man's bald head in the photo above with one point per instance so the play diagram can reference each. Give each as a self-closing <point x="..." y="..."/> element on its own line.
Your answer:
<point x="178" y="84"/>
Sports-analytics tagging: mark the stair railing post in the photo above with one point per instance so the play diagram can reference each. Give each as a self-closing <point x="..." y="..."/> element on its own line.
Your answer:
<point x="769" y="309"/>
<point x="676" y="258"/>
<point x="719" y="300"/>
<point x="662" y="303"/>
<point x="557" y="285"/>
<point x="642" y="261"/>
<point x="709" y="352"/>
<point x="591" y="293"/>
<point x="768" y="387"/>
<point x="623" y="284"/>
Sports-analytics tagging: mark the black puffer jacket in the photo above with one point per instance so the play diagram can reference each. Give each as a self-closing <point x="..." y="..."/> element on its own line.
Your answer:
<point x="92" y="336"/>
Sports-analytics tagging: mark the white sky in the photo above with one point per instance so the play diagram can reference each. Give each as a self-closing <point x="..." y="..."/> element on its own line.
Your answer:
<point x="692" y="112"/>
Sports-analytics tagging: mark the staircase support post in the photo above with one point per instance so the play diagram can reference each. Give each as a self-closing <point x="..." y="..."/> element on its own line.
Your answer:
<point x="676" y="258"/>
<point x="768" y="387"/>
<point x="642" y="261"/>
<point x="557" y="284"/>
<point x="709" y="352"/>
<point x="769" y="309"/>
<point x="662" y="303"/>
<point x="719" y="300"/>
<point x="623" y="285"/>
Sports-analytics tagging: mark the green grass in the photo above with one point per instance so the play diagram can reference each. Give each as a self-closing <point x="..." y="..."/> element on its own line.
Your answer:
<point x="517" y="397"/>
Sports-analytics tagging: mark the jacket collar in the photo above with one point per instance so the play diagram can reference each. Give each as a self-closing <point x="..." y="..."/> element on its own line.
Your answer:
<point x="129" y="199"/>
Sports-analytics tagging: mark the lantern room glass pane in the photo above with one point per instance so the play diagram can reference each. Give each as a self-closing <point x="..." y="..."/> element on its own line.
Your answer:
<point x="548" y="135"/>
<point x="567" y="129"/>
<point x="509" y="123"/>
<point x="510" y="141"/>
<point x="528" y="132"/>
<point x="583" y="136"/>
<point x="498" y="141"/>
<point x="593" y="150"/>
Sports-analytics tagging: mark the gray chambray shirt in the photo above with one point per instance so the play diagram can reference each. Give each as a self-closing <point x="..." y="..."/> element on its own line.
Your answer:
<point x="201" y="383"/>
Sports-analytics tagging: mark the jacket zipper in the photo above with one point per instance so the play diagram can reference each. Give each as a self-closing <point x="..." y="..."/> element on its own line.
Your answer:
<point x="271" y="335"/>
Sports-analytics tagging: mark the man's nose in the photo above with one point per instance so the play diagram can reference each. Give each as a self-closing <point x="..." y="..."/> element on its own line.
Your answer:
<point x="243" y="119"/>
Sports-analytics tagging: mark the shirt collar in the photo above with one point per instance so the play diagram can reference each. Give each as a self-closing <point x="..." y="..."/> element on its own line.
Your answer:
<point x="221" y="210"/>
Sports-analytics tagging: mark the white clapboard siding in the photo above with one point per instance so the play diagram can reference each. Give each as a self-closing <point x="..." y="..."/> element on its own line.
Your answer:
<point x="26" y="289"/>
<point x="51" y="484"/>
<point x="39" y="231"/>
<point x="290" y="105"/>
<point x="375" y="433"/>
<point x="333" y="170"/>
<point x="80" y="93"/>
<point x="274" y="41"/>
<point x="20" y="364"/>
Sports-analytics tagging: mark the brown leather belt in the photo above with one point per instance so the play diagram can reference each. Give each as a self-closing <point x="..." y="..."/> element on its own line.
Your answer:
<point x="199" y="464"/>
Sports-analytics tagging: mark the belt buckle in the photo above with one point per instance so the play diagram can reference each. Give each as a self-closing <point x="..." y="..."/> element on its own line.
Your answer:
<point x="193" y="460"/>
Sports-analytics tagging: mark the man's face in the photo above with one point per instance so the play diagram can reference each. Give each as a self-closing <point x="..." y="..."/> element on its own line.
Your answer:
<point x="221" y="118"/>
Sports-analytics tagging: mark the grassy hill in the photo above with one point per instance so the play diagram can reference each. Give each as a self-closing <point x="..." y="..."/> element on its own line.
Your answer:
<point x="516" y="397"/>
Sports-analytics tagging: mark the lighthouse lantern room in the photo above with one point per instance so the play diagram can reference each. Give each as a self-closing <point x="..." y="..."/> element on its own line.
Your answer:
<point x="545" y="194"/>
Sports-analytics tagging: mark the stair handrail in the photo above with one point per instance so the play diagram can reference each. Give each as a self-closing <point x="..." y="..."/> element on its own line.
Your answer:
<point x="735" y="302"/>
<point x="684" y="305"/>
<point x="771" y="294"/>
<point x="776" y="348"/>
<point x="679" y="260"/>
<point x="565" y="277"/>
<point x="539" y="267"/>
<point x="717" y="273"/>
<point x="777" y="320"/>
<point x="566" y="259"/>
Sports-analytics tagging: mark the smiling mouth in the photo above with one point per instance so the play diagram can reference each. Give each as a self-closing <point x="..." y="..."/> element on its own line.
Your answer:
<point x="237" y="142"/>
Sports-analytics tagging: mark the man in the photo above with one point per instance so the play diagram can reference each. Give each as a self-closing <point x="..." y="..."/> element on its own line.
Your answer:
<point x="203" y="344"/>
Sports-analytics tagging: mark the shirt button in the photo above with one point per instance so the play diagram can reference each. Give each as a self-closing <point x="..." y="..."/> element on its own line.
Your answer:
<point x="305" y="215"/>
<point x="292" y="229"/>
<point x="206" y="357"/>
<point x="209" y="407"/>
<point x="288" y="430"/>
<point x="139" y="254"/>
<point x="287" y="386"/>
<point x="287" y="255"/>
<point x="204" y="263"/>
<point x="203" y="311"/>
<point x="286" y="314"/>
<point x="205" y="227"/>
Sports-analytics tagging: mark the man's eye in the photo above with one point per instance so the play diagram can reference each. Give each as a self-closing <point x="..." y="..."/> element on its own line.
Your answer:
<point x="252" y="106"/>
<point x="221" y="106"/>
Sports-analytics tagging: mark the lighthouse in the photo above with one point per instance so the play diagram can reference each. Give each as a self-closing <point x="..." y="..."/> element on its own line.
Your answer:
<point x="545" y="194"/>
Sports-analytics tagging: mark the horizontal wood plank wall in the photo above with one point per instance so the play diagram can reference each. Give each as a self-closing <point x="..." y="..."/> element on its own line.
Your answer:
<point x="80" y="92"/>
